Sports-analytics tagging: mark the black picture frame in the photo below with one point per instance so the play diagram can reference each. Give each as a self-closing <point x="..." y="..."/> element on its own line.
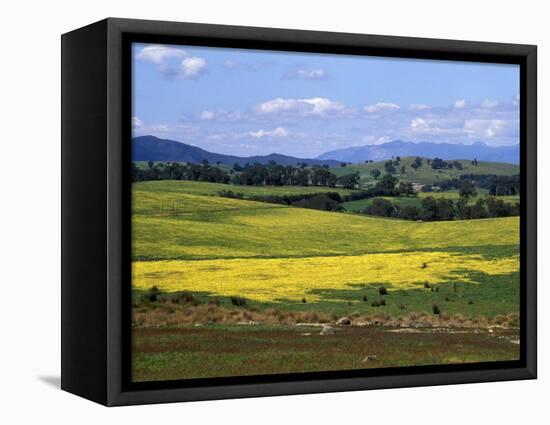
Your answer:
<point x="96" y="131"/>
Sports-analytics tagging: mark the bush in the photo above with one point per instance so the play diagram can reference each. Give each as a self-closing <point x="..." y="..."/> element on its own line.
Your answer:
<point x="383" y="291"/>
<point x="238" y="301"/>
<point x="183" y="298"/>
<point x="304" y="300"/>
<point x="382" y="302"/>
<point x="365" y="298"/>
<point x="375" y="304"/>
<point x="151" y="295"/>
<point x="436" y="309"/>
<point x="470" y="302"/>
<point x="427" y="285"/>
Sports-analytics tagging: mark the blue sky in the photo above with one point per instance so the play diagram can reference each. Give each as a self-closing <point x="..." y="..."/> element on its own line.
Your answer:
<point x="250" y="102"/>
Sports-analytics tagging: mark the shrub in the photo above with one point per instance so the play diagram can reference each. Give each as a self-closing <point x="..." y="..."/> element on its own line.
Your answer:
<point x="365" y="298"/>
<point x="238" y="301"/>
<point x="401" y="307"/>
<point x="436" y="309"/>
<point x="383" y="291"/>
<point x="183" y="298"/>
<point x="427" y="285"/>
<point x="375" y="304"/>
<point x="304" y="300"/>
<point x="470" y="302"/>
<point x="152" y="294"/>
<point x="382" y="302"/>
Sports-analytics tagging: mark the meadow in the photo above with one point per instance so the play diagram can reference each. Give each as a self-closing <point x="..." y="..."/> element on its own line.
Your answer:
<point x="201" y="251"/>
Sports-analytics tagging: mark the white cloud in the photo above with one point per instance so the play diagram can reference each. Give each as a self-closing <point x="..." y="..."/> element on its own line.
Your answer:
<point x="460" y="103"/>
<point x="136" y="122"/>
<point x="307" y="74"/>
<point x="207" y="115"/>
<point x="193" y="67"/>
<point x="157" y="53"/>
<point x="317" y="106"/>
<point x="381" y="107"/>
<point x="419" y="123"/>
<point x="165" y="59"/>
<point x="277" y="132"/>
<point x="419" y="107"/>
<point x="438" y="127"/>
<point x="479" y="128"/>
<point x="489" y="104"/>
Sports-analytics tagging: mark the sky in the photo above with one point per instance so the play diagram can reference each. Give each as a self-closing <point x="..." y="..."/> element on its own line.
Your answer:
<point x="256" y="102"/>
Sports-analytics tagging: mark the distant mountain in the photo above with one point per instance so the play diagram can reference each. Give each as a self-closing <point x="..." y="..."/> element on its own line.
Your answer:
<point x="481" y="151"/>
<point x="151" y="148"/>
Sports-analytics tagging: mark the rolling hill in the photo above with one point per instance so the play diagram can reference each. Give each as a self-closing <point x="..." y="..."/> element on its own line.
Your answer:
<point x="481" y="151"/>
<point x="426" y="174"/>
<point x="151" y="148"/>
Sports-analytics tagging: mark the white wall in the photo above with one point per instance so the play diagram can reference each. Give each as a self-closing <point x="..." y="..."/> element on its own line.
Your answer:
<point x="30" y="198"/>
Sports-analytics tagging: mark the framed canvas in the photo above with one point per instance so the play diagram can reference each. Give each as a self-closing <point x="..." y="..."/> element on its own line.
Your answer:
<point x="253" y="212"/>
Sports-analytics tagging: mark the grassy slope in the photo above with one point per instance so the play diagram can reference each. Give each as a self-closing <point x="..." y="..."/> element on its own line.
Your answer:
<point x="208" y="227"/>
<point x="250" y="241"/>
<point x="425" y="174"/>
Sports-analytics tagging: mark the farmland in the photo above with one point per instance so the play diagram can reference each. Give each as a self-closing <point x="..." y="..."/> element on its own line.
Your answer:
<point x="292" y="264"/>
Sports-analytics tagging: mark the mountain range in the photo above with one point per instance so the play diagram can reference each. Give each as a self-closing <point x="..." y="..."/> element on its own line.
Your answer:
<point x="151" y="148"/>
<point x="478" y="150"/>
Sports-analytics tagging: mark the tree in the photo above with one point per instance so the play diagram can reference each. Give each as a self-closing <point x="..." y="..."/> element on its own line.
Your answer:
<point x="150" y="164"/>
<point x="467" y="190"/>
<point x="389" y="168"/>
<point x="429" y="208"/>
<point x="403" y="169"/>
<point x="381" y="207"/>
<point x="438" y="164"/>
<point x="387" y="182"/>
<point x="349" y="181"/>
<point x="375" y="173"/>
<point x="406" y="188"/>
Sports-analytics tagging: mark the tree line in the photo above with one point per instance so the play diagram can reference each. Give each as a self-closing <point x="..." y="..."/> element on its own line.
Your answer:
<point x="270" y="174"/>
<point x="443" y="209"/>
<point x="496" y="185"/>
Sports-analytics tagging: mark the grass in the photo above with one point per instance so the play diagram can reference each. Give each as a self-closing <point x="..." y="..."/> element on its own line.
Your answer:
<point x="257" y="350"/>
<point x="425" y="174"/>
<point x="228" y="261"/>
<point x="172" y="188"/>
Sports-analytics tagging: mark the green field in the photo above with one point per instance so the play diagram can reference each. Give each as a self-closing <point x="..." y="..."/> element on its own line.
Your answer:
<point x="425" y="174"/>
<point x="292" y="264"/>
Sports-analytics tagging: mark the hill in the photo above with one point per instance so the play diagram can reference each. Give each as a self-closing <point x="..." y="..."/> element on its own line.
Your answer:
<point x="426" y="174"/>
<point x="151" y="148"/>
<point x="481" y="151"/>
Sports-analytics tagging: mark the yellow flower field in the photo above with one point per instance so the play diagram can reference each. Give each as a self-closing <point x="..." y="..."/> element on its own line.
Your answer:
<point x="293" y="278"/>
